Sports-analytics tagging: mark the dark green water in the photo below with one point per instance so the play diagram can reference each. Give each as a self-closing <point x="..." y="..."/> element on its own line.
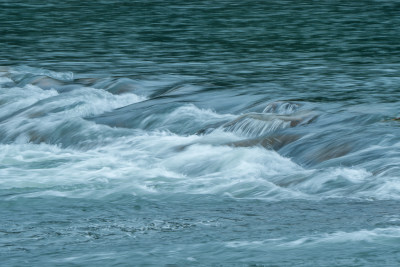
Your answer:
<point x="199" y="133"/>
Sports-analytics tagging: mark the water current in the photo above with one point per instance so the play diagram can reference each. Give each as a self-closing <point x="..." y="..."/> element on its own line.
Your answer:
<point x="200" y="133"/>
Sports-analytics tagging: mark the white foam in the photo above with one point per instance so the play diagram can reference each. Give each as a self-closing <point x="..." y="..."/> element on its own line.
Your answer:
<point x="194" y="114"/>
<point x="370" y="236"/>
<point x="283" y="108"/>
<point x="186" y="118"/>
<point x="62" y="76"/>
<point x="56" y="110"/>
<point x="147" y="164"/>
<point x="156" y="162"/>
<point x="16" y="98"/>
<point x="165" y="163"/>
<point x="238" y="244"/>
<point x="250" y="127"/>
<point x="332" y="181"/>
<point x="4" y="80"/>
<point x="386" y="188"/>
<point x="94" y="101"/>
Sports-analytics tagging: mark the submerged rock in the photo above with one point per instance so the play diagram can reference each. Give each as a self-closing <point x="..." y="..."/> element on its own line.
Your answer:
<point x="258" y="124"/>
<point x="271" y="142"/>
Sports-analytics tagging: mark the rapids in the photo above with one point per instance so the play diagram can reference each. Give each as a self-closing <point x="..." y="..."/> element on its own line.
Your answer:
<point x="199" y="133"/>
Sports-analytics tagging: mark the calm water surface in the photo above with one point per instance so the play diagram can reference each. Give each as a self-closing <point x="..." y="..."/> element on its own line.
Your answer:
<point x="200" y="133"/>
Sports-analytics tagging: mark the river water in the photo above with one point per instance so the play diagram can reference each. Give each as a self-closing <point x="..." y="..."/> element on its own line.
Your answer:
<point x="200" y="133"/>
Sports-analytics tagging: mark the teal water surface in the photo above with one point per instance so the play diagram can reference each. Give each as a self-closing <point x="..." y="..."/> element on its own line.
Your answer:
<point x="199" y="133"/>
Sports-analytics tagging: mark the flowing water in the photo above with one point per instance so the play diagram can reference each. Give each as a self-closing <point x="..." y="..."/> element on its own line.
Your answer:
<point x="200" y="133"/>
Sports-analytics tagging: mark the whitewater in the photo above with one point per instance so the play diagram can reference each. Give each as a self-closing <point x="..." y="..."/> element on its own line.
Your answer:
<point x="66" y="139"/>
<point x="158" y="133"/>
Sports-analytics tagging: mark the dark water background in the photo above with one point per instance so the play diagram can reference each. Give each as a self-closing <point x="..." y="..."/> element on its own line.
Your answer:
<point x="200" y="133"/>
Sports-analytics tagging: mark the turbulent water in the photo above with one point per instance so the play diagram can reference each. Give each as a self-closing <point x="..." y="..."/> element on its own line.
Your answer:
<point x="200" y="133"/>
